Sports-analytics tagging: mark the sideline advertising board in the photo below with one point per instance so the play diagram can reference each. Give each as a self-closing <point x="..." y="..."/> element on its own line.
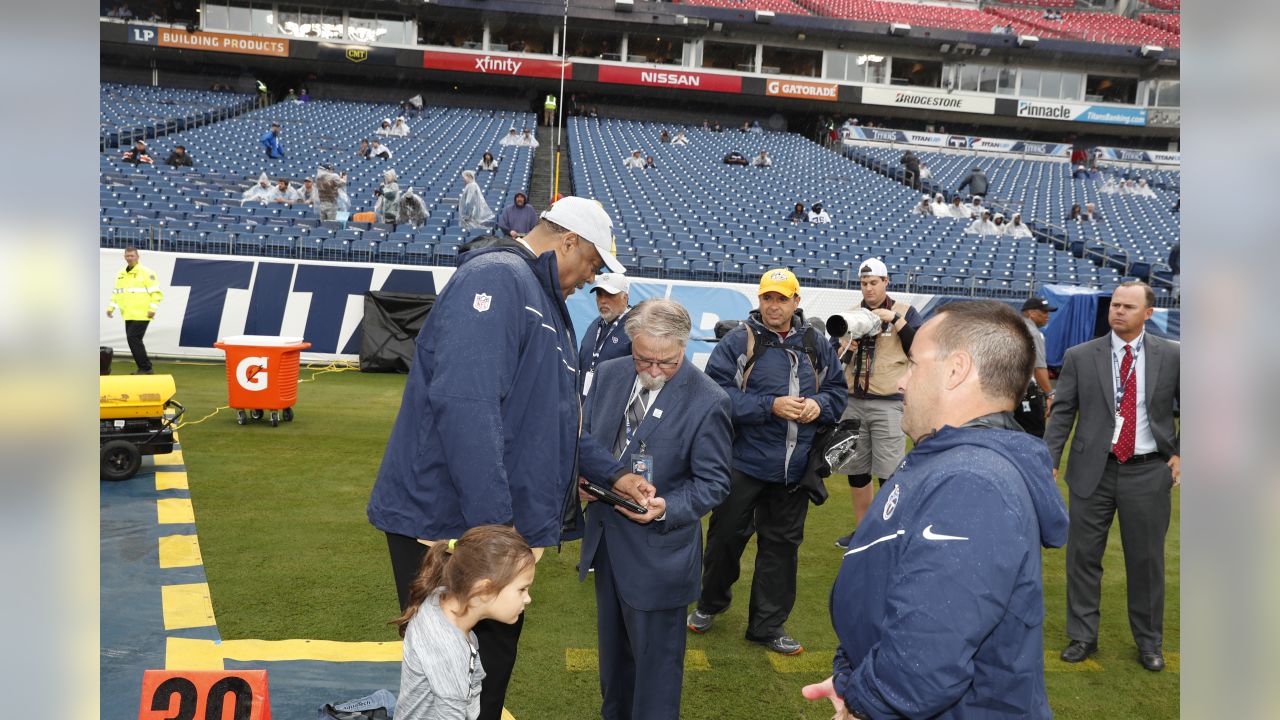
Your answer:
<point x="491" y="64"/>
<point x="677" y="79"/>
<point x="959" y="142"/>
<point x="802" y="90"/>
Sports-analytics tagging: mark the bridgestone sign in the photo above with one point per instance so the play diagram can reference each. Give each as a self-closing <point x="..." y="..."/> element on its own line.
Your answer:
<point x="928" y="100"/>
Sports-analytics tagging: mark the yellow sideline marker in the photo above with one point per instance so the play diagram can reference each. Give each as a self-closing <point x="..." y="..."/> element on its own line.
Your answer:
<point x="173" y="458"/>
<point x="180" y="551"/>
<point x="1052" y="663"/>
<point x="171" y="480"/>
<point x="188" y="654"/>
<point x="171" y="511"/>
<point x="186" y="606"/>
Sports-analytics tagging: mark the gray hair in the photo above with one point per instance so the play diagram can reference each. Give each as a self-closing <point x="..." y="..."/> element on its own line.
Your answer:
<point x="998" y="341"/>
<point x="660" y="318"/>
<point x="469" y="175"/>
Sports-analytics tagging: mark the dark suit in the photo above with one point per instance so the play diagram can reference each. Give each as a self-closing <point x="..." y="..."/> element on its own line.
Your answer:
<point x="647" y="574"/>
<point x="1100" y="485"/>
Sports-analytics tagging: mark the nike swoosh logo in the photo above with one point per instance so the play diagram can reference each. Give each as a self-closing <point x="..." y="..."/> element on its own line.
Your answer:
<point x="929" y="534"/>
<point x="875" y="542"/>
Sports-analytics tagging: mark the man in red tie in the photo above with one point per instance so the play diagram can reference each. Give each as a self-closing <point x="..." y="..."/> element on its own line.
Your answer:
<point x="1123" y="387"/>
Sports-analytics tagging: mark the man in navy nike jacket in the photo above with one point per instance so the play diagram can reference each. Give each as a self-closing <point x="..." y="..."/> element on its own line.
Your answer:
<point x="938" y="604"/>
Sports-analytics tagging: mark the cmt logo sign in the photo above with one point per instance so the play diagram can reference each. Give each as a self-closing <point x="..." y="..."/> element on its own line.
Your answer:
<point x="251" y="374"/>
<point x="142" y="34"/>
<point x="357" y="55"/>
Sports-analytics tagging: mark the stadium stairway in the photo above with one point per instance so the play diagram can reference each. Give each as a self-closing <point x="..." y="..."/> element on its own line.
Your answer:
<point x="539" y="194"/>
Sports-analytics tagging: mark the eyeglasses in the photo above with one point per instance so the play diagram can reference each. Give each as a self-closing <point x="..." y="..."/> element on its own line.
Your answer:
<point x="645" y="363"/>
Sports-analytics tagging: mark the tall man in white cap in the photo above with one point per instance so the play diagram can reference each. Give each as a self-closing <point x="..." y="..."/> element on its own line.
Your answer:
<point x="488" y="428"/>
<point x="605" y="338"/>
<point x="873" y="366"/>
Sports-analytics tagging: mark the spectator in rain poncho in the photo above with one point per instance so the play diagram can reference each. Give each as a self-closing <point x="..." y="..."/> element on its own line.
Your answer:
<point x="511" y="138"/>
<point x="924" y="208"/>
<point x="940" y="207"/>
<point x="755" y="127"/>
<point x="1109" y="186"/>
<point x="412" y="210"/>
<point x="400" y="128"/>
<point x="378" y="150"/>
<point x="1126" y="187"/>
<point x="284" y="193"/>
<point x="1143" y="189"/>
<point x="1016" y="228"/>
<point x="331" y="194"/>
<point x="527" y="139"/>
<point x="388" y="205"/>
<point x="473" y="211"/>
<point x="957" y="209"/>
<point x="762" y="160"/>
<point x="975" y="207"/>
<point x="819" y="216"/>
<point x="385" y="128"/>
<point x="634" y="161"/>
<point x="259" y="192"/>
<point x="998" y="221"/>
<point x="517" y="220"/>
<point x="680" y="138"/>
<point x="982" y="225"/>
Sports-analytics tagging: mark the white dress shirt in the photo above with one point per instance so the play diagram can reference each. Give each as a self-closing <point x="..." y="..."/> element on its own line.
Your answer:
<point x="1143" y="442"/>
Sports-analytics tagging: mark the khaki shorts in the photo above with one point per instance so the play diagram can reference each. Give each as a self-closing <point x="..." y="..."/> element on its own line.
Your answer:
<point x="881" y="442"/>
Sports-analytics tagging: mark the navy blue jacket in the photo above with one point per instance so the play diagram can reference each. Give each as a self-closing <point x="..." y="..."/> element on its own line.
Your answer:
<point x="272" y="143"/>
<point x="687" y="431"/>
<point x="612" y="341"/>
<point x="488" y="426"/>
<point x="765" y="446"/>
<point x="938" y="604"/>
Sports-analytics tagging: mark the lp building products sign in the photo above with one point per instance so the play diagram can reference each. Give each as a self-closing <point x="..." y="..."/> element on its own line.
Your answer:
<point x="494" y="65"/>
<point x="212" y="42"/>
<point x="927" y="99"/>
<point x="671" y="79"/>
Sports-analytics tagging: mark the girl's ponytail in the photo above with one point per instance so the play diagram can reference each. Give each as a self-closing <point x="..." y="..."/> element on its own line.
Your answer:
<point x="430" y="576"/>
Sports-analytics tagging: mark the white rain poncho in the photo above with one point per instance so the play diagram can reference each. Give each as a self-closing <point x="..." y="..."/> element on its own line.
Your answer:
<point x="1110" y="187"/>
<point x="940" y="207"/>
<point x="982" y="226"/>
<point x="959" y="210"/>
<point x="412" y="210"/>
<point x="510" y="139"/>
<point x="923" y="208"/>
<point x="388" y="205"/>
<point x="473" y="211"/>
<point x="633" y="161"/>
<point x="1143" y="189"/>
<point x="260" y="192"/>
<point x="331" y="188"/>
<point x="384" y="129"/>
<point x="528" y="140"/>
<point x="1016" y="228"/>
<point x="400" y="128"/>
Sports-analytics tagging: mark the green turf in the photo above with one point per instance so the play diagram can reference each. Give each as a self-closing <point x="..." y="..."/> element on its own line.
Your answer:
<point x="289" y="554"/>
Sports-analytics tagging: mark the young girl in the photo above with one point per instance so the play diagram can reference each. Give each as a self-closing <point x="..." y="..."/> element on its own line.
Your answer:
<point x="484" y="575"/>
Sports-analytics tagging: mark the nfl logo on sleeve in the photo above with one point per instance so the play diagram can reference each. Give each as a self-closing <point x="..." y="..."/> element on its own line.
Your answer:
<point x="482" y="302"/>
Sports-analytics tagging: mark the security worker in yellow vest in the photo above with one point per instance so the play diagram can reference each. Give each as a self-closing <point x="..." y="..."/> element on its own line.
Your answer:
<point x="137" y="296"/>
<point x="549" y="110"/>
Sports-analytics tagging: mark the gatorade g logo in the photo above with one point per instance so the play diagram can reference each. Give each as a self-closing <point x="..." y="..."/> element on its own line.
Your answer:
<point x="251" y="373"/>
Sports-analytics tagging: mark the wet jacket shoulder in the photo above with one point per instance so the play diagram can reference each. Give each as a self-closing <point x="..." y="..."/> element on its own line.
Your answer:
<point x="487" y="428"/>
<point x="938" y="604"/>
<point x="765" y="446"/>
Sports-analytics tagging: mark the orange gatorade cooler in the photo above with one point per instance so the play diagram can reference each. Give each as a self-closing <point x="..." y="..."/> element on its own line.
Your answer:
<point x="262" y="375"/>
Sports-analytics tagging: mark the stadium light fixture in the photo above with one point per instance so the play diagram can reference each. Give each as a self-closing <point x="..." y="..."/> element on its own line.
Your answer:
<point x="1152" y="51"/>
<point x="764" y="16"/>
<point x="1028" y="41"/>
<point x="899" y="28"/>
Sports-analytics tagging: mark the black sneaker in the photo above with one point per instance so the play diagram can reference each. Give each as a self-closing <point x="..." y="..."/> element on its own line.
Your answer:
<point x="783" y="645"/>
<point x="843" y="541"/>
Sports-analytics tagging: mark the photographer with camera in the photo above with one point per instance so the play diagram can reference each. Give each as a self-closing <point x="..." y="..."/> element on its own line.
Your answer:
<point x="873" y="364"/>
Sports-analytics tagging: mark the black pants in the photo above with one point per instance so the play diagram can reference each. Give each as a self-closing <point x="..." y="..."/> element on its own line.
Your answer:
<point x="134" y="330"/>
<point x="1140" y="493"/>
<point x="775" y="513"/>
<point x="1030" y="411"/>
<point x="497" y="640"/>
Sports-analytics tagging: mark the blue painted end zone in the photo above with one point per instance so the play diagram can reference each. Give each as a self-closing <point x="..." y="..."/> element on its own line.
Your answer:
<point x="299" y="688"/>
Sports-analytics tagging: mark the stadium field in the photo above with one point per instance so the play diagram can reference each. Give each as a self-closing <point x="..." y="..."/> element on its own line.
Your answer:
<point x="289" y="555"/>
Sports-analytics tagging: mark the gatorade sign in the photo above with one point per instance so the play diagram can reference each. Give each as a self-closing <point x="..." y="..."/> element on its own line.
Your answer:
<point x="204" y="695"/>
<point x="251" y="373"/>
<point x="828" y="92"/>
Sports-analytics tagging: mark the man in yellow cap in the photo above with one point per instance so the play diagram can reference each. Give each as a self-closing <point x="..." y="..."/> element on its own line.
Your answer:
<point x="137" y="296"/>
<point x="784" y="381"/>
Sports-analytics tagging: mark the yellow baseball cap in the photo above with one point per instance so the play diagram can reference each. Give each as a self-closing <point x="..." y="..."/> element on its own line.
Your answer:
<point x="781" y="281"/>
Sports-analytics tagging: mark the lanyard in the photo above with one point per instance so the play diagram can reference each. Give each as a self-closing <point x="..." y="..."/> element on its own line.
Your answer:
<point x="626" y="417"/>
<point x="1133" y="371"/>
<point x="600" y="341"/>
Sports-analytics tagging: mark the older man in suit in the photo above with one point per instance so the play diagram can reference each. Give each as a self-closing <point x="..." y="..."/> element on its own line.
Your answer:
<point x="1123" y="387"/>
<point x="668" y="422"/>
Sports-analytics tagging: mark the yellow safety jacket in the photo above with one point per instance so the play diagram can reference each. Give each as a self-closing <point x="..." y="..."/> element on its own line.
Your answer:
<point x="550" y="103"/>
<point x="136" y="293"/>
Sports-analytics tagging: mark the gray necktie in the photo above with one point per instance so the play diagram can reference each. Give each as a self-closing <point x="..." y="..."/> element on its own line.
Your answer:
<point x="635" y="413"/>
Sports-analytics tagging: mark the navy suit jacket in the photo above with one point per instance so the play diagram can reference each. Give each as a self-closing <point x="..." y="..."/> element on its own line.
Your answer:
<point x="689" y="433"/>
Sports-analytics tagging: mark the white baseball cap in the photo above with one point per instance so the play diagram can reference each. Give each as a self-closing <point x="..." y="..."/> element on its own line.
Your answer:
<point x="587" y="219"/>
<point x="612" y="283"/>
<point x="873" y="266"/>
